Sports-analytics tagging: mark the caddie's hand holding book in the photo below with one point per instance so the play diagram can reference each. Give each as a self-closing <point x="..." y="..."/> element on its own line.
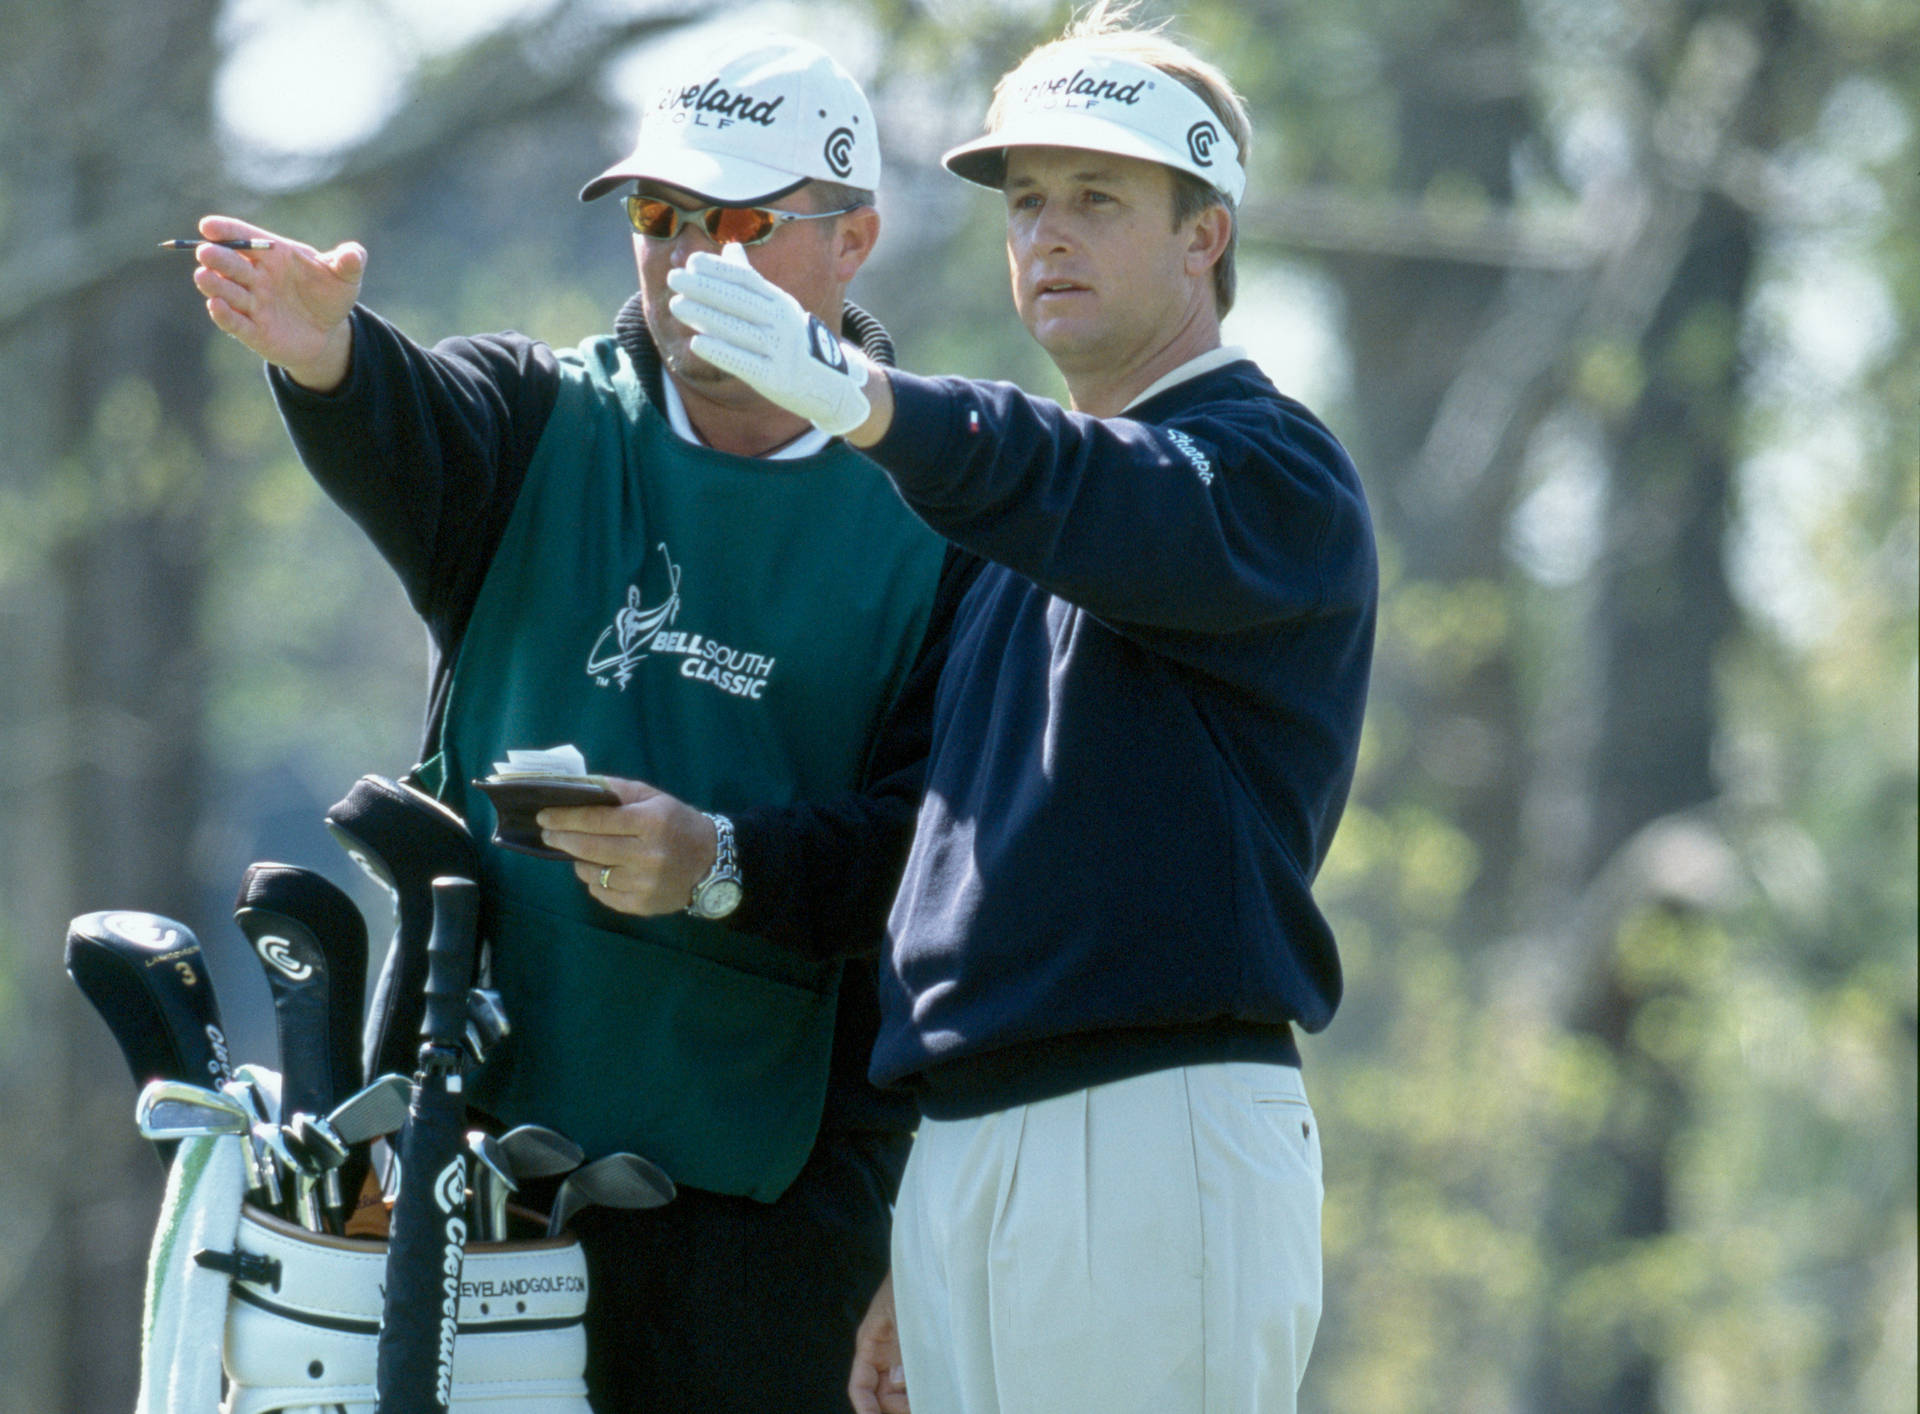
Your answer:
<point x="527" y="782"/>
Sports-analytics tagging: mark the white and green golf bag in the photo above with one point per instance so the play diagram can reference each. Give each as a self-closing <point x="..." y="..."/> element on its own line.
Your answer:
<point x="289" y="1320"/>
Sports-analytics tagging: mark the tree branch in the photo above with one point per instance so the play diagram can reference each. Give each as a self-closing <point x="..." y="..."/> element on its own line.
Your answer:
<point x="1403" y="227"/>
<point x="501" y="79"/>
<point x="1484" y="411"/>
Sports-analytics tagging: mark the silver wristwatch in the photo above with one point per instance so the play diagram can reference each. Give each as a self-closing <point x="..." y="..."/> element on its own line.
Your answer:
<point x="718" y="894"/>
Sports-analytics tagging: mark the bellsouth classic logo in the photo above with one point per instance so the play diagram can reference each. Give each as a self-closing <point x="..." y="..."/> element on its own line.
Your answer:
<point x="625" y="641"/>
<point x="639" y="632"/>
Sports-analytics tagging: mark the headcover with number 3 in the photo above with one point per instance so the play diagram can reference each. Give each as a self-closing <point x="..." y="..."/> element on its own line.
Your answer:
<point x="748" y="326"/>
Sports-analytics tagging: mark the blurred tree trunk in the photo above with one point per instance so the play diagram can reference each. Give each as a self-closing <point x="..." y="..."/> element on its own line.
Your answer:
<point x="109" y="111"/>
<point x="1414" y="328"/>
<point x="1663" y="615"/>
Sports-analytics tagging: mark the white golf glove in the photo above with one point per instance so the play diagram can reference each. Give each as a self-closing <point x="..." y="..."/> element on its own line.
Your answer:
<point x="748" y="326"/>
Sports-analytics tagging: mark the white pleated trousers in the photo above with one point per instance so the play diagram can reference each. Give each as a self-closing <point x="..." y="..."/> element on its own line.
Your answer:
<point x="1149" y="1245"/>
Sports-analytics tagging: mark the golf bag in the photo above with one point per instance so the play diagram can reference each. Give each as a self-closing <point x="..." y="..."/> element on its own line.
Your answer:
<point x="303" y="1323"/>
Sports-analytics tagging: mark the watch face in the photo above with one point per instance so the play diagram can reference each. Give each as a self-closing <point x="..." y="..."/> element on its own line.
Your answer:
<point x="719" y="898"/>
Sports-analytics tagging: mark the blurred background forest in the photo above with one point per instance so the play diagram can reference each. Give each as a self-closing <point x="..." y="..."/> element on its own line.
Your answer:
<point x="1613" y="300"/>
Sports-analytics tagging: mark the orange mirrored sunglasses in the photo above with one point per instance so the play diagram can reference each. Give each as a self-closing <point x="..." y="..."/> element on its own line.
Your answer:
<point x="726" y="225"/>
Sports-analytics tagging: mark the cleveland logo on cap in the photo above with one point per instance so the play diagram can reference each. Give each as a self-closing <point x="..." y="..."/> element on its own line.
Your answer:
<point x="1200" y="140"/>
<point x="754" y="118"/>
<point x="839" y="151"/>
<point x="1075" y="98"/>
<point x="724" y="105"/>
<point x="1088" y="91"/>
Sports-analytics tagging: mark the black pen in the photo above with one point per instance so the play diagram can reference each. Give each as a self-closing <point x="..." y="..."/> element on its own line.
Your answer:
<point x="230" y="245"/>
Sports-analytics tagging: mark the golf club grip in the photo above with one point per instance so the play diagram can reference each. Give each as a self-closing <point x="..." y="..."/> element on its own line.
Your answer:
<point x="428" y="1244"/>
<point x="450" y="951"/>
<point x="420" y="1319"/>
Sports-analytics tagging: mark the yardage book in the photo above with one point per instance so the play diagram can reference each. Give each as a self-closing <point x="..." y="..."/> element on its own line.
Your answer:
<point x="527" y="782"/>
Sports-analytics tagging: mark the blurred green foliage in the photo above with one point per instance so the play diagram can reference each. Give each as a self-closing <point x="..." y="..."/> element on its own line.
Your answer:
<point x="1647" y="1116"/>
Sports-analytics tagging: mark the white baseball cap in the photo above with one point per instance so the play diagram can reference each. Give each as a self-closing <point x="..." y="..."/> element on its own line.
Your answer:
<point x="1068" y="96"/>
<point x="751" y="122"/>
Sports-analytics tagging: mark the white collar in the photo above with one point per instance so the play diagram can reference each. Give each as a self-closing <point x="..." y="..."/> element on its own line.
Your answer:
<point x="808" y="443"/>
<point x="1192" y="368"/>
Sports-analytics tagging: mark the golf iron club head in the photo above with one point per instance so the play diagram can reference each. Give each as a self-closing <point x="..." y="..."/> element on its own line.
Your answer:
<point x="292" y="1163"/>
<point x="374" y="1111"/>
<point x="534" y="1151"/>
<point x="175" y="1109"/>
<point x="615" y="1181"/>
<point x="487" y="1024"/>
<point x="492" y="1181"/>
<point x="258" y="1088"/>
<point x="528" y="1152"/>
<point x="326" y="1144"/>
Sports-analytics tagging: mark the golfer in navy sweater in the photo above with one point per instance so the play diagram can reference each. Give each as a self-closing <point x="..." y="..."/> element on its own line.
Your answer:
<point x="1143" y="739"/>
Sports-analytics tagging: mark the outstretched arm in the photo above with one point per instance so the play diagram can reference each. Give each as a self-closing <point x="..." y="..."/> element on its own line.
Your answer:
<point x="1213" y="524"/>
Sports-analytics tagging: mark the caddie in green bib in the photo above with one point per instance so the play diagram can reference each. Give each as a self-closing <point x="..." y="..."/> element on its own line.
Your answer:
<point x="651" y="620"/>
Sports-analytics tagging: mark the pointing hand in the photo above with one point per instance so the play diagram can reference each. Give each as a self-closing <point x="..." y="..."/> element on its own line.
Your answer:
<point x="288" y="304"/>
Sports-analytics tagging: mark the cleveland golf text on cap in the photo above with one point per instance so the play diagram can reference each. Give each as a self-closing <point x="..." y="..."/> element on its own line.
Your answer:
<point x="1072" y="97"/>
<point x="750" y="123"/>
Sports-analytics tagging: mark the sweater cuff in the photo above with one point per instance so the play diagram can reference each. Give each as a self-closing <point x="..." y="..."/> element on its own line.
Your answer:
<point x="288" y="392"/>
<point x="766" y="885"/>
<point x="927" y="415"/>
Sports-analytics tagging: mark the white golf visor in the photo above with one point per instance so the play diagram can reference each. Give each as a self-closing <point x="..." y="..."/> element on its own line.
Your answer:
<point x="1067" y="97"/>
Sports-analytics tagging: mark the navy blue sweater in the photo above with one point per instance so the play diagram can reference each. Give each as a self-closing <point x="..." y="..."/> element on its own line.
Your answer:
<point x="1142" y="741"/>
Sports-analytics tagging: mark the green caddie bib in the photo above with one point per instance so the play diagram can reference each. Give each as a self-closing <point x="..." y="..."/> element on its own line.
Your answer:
<point x="731" y="630"/>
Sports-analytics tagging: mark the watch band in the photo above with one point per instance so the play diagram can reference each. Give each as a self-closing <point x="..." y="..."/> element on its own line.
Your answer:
<point x="719" y="893"/>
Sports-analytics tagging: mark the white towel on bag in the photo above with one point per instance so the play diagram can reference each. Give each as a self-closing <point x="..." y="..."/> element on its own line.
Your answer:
<point x="186" y="1304"/>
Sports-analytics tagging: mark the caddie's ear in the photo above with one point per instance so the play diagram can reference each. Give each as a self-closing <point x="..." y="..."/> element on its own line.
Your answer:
<point x="854" y="238"/>
<point x="1207" y="242"/>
